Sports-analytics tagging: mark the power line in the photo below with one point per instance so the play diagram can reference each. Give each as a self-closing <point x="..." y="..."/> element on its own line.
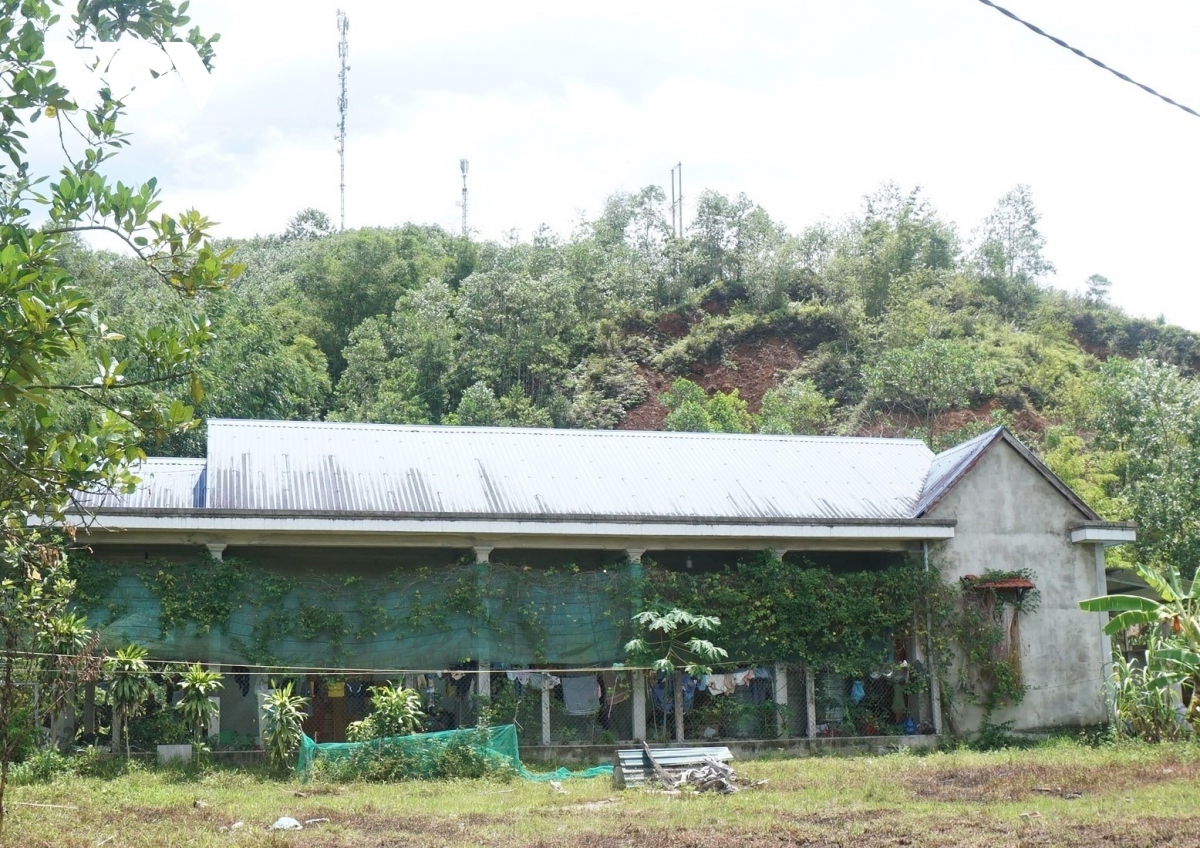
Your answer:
<point x="1083" y="55"/>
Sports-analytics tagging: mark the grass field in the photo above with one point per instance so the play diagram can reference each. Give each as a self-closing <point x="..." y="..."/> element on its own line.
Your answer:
<point x="1059" y="794"/>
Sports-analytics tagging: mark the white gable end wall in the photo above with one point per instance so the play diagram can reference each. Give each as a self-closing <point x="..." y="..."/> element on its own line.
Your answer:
<point x="1011" y="517"/>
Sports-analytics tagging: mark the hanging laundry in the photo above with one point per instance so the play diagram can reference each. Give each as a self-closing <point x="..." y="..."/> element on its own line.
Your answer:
<point x="581" y="694"/>
<point x="719" y="684"/>
<point x="662" y="690"/>
<point x="760" y="686"/>
<point x="690" y="685"/>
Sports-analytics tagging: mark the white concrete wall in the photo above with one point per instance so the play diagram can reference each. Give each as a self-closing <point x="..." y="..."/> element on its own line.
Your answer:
<point x="1010" y="517"/>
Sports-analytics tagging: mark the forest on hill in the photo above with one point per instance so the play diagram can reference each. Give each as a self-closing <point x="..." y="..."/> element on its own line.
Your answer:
<point x="891" y="322"/>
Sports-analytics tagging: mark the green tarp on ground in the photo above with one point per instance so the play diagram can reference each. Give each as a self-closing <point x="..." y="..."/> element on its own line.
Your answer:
<point x="501" y="744"/>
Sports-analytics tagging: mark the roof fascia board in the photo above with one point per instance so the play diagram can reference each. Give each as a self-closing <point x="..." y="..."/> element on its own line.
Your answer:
<point x="563" y="530"/>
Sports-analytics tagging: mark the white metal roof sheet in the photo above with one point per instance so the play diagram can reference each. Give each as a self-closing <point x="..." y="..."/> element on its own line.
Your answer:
<point x="484" y="471"/>
<point x="166" y="483"/>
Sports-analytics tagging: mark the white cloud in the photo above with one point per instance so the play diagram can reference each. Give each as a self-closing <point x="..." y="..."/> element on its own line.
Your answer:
<point x="805" y="107"/>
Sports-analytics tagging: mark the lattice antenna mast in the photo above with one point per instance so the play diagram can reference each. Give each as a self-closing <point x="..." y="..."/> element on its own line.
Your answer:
<point x="343" y="23"/>
<point x="463" y="164"/>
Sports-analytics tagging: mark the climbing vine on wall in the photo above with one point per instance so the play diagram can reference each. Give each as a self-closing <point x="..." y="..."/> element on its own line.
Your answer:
<point x="771" y="610"/>
<point x="983" y="626"/>
<point x="202" y="594"/>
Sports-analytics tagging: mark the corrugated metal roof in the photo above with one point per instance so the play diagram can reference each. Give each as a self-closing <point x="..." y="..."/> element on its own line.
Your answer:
<point x="485" y="471"/>
<point x="950" y="465"/>
<point x="166" y="483"/>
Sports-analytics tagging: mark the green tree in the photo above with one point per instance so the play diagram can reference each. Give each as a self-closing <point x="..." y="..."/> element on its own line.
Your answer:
<point x="395" y="711"/>
<point x="897" y="248"/>
<point x="478" y="407"/>
<point x="519" y="329"/>
<point x="361" y="273"/>
<point x="1148" y="415"/>
<point x="403" y="369"/>
<point x="795" y="407"/>
<point x="308" y="224"/>
<point x="933" y="377"/>
<point x="47" y="325"/>
<point x="691" y="410"/>
<point x="1008" y="254"/>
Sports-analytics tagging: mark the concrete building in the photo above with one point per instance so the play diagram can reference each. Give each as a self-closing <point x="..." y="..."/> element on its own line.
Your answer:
<point x="352" y="526"/>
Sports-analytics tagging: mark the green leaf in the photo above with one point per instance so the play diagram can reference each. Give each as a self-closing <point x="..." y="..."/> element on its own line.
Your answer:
<point x="1119" y="603"/>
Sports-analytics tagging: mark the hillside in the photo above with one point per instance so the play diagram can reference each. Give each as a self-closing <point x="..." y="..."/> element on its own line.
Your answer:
<point x="888" y="323"/>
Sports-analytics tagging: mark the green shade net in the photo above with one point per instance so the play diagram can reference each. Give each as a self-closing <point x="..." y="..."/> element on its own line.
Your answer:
<point x="423" y="748"/>
<point x="375" y="619"/>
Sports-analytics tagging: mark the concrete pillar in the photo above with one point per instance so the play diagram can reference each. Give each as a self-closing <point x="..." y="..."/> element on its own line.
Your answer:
<point x="780" y="553"/>
<point x="216" y="550"/>
<point x="483" y="680"/>
<point x="810" y="702"/>
<point x="780" y="689"/>
<point x="1106" y="650"/>
<point x="214" y="723"/>
<point x="639" y="705"/>
<point x="678" y="706"/>
<point x="89" y="709"/>
<point x="545" y="709"/>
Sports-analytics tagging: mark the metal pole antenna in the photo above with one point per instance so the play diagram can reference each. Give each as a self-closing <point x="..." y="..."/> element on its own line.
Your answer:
<point x="463" y="164"/>
<point x="680" y="167"/>
<point x="343" y="23"/>
<point x="674" y="231"/>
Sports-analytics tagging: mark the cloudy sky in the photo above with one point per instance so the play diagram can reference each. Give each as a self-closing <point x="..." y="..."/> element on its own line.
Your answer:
<point x="804" y="106"/>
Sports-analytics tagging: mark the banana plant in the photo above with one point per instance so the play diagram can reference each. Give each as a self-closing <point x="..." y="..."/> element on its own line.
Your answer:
<point x="1175" y="659"/>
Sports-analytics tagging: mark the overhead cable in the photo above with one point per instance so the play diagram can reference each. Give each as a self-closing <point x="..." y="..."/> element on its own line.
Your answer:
<point x="1083" y="55"/>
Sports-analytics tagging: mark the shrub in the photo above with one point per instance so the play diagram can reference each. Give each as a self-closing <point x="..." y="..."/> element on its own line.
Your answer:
<point x="395" y="711"/>
<point x="283" y="722"/>
<point x="463" y="757"/>
<point x="41" y="767"/>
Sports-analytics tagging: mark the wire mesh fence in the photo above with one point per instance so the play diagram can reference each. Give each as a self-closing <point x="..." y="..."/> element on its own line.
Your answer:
<point x="549" y="707"/>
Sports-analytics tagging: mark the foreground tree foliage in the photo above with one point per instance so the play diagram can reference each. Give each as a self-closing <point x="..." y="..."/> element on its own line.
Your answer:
<point x="82" y="391"/>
